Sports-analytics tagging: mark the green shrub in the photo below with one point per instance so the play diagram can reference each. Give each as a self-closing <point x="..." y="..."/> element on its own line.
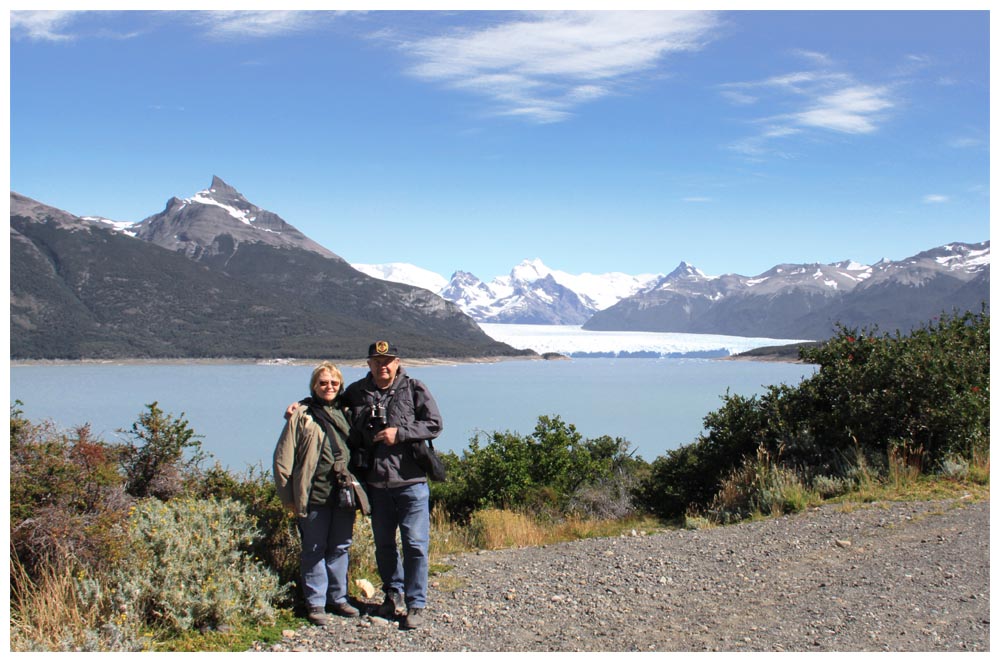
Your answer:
<point x="154" y="461"/>
<point x="191" y="568"/>
<point x="928" y="391"/>
<point x="878" y="405"/>
<point x="550" y="472"/>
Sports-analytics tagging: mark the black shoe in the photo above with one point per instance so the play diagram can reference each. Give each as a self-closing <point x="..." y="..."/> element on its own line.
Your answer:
<point x="414" y="618"/>
<point x="393" y="605"/>
<point x="343" y="609"/>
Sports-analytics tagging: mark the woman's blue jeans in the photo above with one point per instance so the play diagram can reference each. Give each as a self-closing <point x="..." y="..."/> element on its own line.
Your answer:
<point x="326" y="537"/>
<point x="407" y="509"/>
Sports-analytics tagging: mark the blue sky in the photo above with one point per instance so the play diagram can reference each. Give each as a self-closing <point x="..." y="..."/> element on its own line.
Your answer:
<point x="597" y="141"/>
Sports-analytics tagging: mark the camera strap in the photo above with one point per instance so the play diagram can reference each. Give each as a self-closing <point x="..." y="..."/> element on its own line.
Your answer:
<point x="384" y="398"/>
<point x="341" y="455"/>
<point x="330" y="426"/>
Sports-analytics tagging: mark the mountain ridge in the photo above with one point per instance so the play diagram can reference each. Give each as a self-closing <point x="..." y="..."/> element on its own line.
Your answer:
<point x="253" y="261"/>
<point x="210" y="276"/>
<point x="787" y="300"/>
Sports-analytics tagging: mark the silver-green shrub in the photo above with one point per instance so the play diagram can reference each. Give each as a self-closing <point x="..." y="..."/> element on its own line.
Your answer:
<point x="828" y="487"/>
<point x="954" y="466"/>
<point x="190" y="568"/>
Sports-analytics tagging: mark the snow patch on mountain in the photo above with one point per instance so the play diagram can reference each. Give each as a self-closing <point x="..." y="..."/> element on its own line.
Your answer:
<point x="407" y="274"/>
<point x="205" y="198"/>
<point x="125" y="227"/>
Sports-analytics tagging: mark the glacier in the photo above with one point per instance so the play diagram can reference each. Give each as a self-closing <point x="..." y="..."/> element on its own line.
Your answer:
<point x="574" y="341"/>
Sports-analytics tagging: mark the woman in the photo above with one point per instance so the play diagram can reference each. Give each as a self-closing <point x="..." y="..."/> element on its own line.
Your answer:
<point x="313" y="481"/>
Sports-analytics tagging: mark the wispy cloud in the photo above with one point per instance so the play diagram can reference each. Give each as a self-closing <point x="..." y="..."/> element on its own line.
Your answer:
<point x="543" y="65"/>
<point x="257" y="24"/>
<point x="697" y="198"/>
<point x="822" y="99"/>
<point x="853" y="109"/>
<point x="41" y="25"/>
<point x="966" y="143"/>
<point x="935" y="199"/>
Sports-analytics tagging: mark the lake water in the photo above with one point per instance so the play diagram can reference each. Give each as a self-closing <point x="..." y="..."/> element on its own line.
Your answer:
<point x="656" y="404"/>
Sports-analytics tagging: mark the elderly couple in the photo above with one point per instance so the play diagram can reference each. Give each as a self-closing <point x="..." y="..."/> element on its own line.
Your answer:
<point x="330" y="441"/>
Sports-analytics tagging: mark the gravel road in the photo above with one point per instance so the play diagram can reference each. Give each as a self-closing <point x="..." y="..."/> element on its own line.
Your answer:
<point x="878" y="577"/>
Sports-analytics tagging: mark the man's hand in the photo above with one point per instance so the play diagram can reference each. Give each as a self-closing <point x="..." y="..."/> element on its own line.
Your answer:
<point x="291" y="410"/>
<point x="386" y="436"/>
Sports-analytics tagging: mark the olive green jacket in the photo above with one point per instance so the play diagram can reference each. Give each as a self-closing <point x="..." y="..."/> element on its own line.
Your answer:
<point x="297" y="454"/>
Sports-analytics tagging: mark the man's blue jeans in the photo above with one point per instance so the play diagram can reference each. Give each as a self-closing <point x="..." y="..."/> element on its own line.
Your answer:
<point x="407" y="509"/>
<point x="326" y="537"/>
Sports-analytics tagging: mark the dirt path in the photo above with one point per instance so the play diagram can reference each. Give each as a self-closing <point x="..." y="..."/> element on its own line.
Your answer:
<point x="881" y="577"/>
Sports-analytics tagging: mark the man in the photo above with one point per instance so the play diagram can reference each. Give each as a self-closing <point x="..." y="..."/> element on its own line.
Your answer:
<point x="389" y="413"/>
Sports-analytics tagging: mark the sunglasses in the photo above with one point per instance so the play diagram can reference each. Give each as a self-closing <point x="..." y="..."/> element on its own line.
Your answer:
<point x="326" y="383"/>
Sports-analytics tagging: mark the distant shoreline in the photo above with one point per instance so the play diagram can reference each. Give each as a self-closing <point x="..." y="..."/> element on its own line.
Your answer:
<point x="359" y="363"/>
<point x="353" y="363"/>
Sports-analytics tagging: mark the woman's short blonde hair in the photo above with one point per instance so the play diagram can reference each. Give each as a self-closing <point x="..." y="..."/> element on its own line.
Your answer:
<point x="329" y="367"/>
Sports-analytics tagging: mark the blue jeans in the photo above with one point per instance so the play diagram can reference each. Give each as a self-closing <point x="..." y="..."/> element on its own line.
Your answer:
<point x="327" y="534"/>
<point x="407" y="509"/>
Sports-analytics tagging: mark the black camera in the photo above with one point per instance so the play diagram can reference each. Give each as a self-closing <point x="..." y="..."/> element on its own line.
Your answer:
<point x="345" y="498"/>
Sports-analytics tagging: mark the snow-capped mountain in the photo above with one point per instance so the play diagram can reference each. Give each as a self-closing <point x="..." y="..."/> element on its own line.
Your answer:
<point x="808" y="300"/>
<point x="216" y="221"/>
<point x="531" y="293"/>
<point x="786" y="301"/>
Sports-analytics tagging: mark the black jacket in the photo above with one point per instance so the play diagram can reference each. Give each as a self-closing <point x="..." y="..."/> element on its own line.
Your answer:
<point x="409" y="407"/>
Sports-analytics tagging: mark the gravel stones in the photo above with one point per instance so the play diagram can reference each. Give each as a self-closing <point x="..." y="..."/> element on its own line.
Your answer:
<point x="878" y="577"/>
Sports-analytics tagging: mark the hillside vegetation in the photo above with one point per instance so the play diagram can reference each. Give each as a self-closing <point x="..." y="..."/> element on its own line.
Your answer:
<point x="137" y="545"/>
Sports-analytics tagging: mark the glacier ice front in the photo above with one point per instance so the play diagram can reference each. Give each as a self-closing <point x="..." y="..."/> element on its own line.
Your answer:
<point x="578" y="342"/>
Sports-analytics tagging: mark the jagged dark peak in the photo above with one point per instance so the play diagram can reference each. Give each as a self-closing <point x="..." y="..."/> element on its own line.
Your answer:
<point x="217" y="221"/>
<point x="222" y="188"/>
<point x="684" y="270"/>
<point x="222" y="192"/>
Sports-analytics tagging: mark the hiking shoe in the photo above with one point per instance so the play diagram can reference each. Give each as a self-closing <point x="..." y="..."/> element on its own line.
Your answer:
<point x="393" y="605"/>
<point x="414" y="618"/>
<point x="318" y="616"/>
<point x="343" y="609"/>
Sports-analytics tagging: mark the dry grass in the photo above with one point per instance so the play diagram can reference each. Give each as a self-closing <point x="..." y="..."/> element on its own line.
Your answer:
<point x="447" y="537"/>
<point x="904" y="483"/>
<point x="501" y="529"/>
<point x="47" y="614"/>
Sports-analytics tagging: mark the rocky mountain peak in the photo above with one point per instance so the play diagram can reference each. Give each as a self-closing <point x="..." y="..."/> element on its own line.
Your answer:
<point x="213" y="223"/>
<point x="222" y="188"/>
<point x="684" y="270"/>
